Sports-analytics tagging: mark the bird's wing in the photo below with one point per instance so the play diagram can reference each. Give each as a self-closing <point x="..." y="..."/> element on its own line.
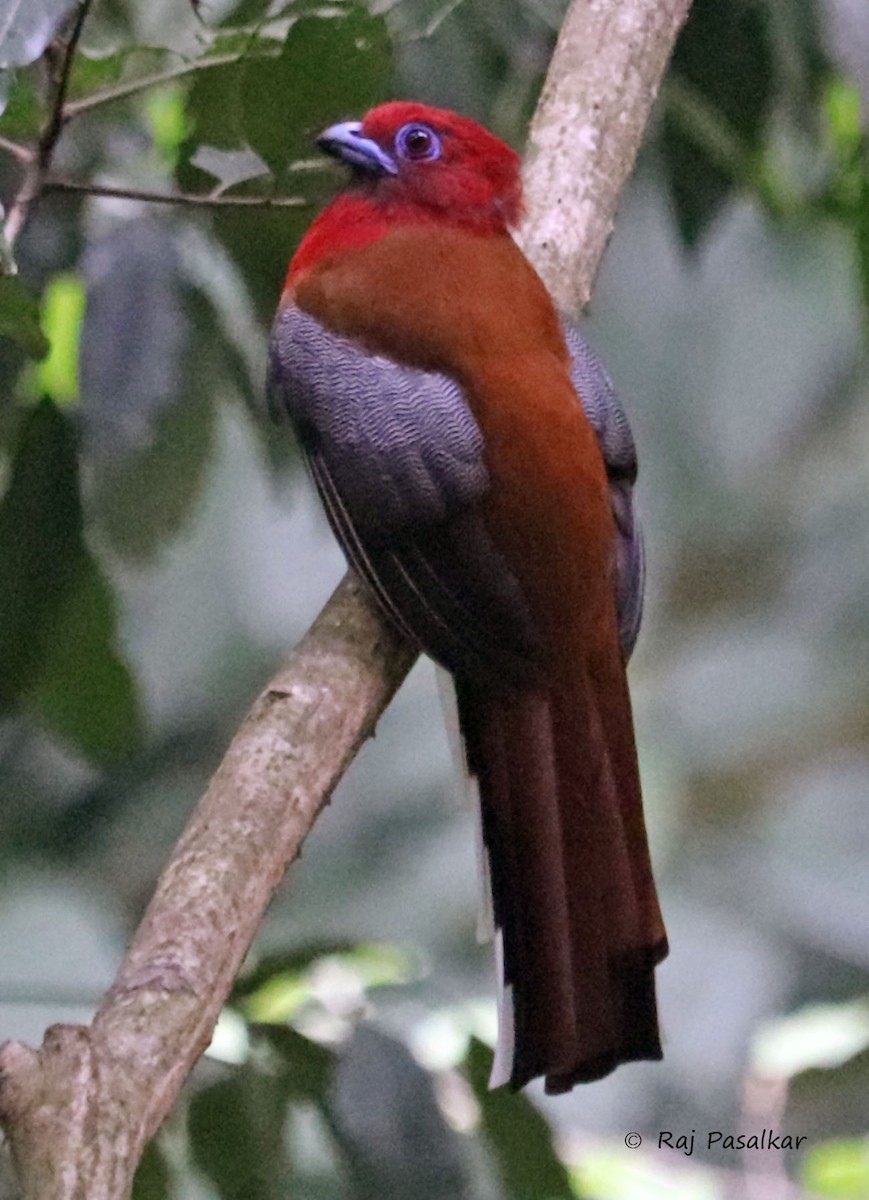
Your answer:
<point x="398" y="459"/>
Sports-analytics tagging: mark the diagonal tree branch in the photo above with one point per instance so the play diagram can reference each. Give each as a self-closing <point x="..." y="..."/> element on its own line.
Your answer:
<point x="586" y="132"/>
<point x="79" y="1110"/>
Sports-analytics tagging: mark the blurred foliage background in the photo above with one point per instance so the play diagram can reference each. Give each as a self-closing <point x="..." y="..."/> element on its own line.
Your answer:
<point x="161" y="549"/>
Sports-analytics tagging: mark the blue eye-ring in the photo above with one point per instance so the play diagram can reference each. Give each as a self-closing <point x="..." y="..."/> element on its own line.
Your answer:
<point x="417" y="143"/>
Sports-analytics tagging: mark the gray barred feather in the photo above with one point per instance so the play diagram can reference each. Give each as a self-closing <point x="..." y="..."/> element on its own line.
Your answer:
<point x="402" y="445"/>
<point x="601" y="404"/>
<point x="399" y="462"/>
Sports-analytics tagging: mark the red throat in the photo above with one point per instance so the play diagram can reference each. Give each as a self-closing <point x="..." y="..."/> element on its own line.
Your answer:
<point x="355" y="220"/>
<point x="349" y="223"/>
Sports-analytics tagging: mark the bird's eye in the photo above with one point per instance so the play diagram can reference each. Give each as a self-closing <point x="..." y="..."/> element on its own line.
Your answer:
<point x="417" y="143"/>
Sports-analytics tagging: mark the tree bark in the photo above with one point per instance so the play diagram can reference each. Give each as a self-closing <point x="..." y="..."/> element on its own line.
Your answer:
<point x="602" y="82"/>
<point x="79" y="1110"/>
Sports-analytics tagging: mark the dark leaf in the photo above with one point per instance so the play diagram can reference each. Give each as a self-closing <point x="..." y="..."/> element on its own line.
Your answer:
<point x="830" y="1100"/>
<point x="152" y="1175"/>
<point x="262" y="243"/>
<point x="236" y="1135"/>
<point x="801" y="19"/>
<point x="57" y="625"/>
<point x="26" y="28"/>
<point x="698" y="184"/>
<point x="330" y="67"/>
<point x="724" y="56"/>
<point x="861" y="230"/>
<point x="518" y="1136"/>
<point x="249" y="10"/>
<point x="40" y="545"/>
<point x="307" y="1067"/>
<point x="213" y="103"/>
<point x="83" y="692"/>
<point x="19" y="317"/>
<point x="392" y="1131"/>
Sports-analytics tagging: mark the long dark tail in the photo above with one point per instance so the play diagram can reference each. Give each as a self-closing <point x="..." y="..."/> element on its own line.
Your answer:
<point x="573" y="897"/>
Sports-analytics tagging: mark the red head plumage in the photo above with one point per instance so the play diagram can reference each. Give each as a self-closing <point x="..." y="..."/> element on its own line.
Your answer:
<point x="414" y="164"/>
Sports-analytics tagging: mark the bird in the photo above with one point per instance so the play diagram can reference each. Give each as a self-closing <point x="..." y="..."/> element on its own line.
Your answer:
<point x="477" y="468"/>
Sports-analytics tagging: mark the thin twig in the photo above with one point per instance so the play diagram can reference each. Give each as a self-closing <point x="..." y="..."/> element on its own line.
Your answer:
<point x="188" y="199"/>
<point x="121" y="91"/>
<point x="22" y="153"/>
<point x="41" y="160"/>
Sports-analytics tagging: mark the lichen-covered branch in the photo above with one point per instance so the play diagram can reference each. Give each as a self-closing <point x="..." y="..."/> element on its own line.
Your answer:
<point x="78" y="1111"/>
<point x="602" y="83"/>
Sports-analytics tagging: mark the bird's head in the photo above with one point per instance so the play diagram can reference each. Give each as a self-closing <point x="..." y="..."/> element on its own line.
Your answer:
<point x="430" y="159"/>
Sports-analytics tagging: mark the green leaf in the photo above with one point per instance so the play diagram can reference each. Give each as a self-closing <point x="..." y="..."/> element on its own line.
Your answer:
<point x="214" y="98"/>
<point x="842" y="105"/>
<point x="63" y="311"/>
<point x="330" y="67"/>
<point x="22" y="113"/>
<point x="19" y="317"/>
<point x="283" y="964"/>
<point x="213" y="110"/>
<point x="838" y="1169"/>
<point x="518" y="1135"/>
<point x="373" y="965"/>
<point x="57" y="624"/>
<point x="26" y="28"/>
<point x="93" y="72"/>
<point x="167" y="119"/>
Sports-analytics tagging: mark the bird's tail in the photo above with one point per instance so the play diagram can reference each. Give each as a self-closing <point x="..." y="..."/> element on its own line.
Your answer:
<point x="578" y="929"/>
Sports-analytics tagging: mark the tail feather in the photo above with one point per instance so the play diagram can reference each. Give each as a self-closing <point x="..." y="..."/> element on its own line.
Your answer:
<point x="571" y="883"/>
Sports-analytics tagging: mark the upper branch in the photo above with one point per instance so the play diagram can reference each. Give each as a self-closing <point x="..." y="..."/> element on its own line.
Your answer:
<point x="604" y="76"/>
